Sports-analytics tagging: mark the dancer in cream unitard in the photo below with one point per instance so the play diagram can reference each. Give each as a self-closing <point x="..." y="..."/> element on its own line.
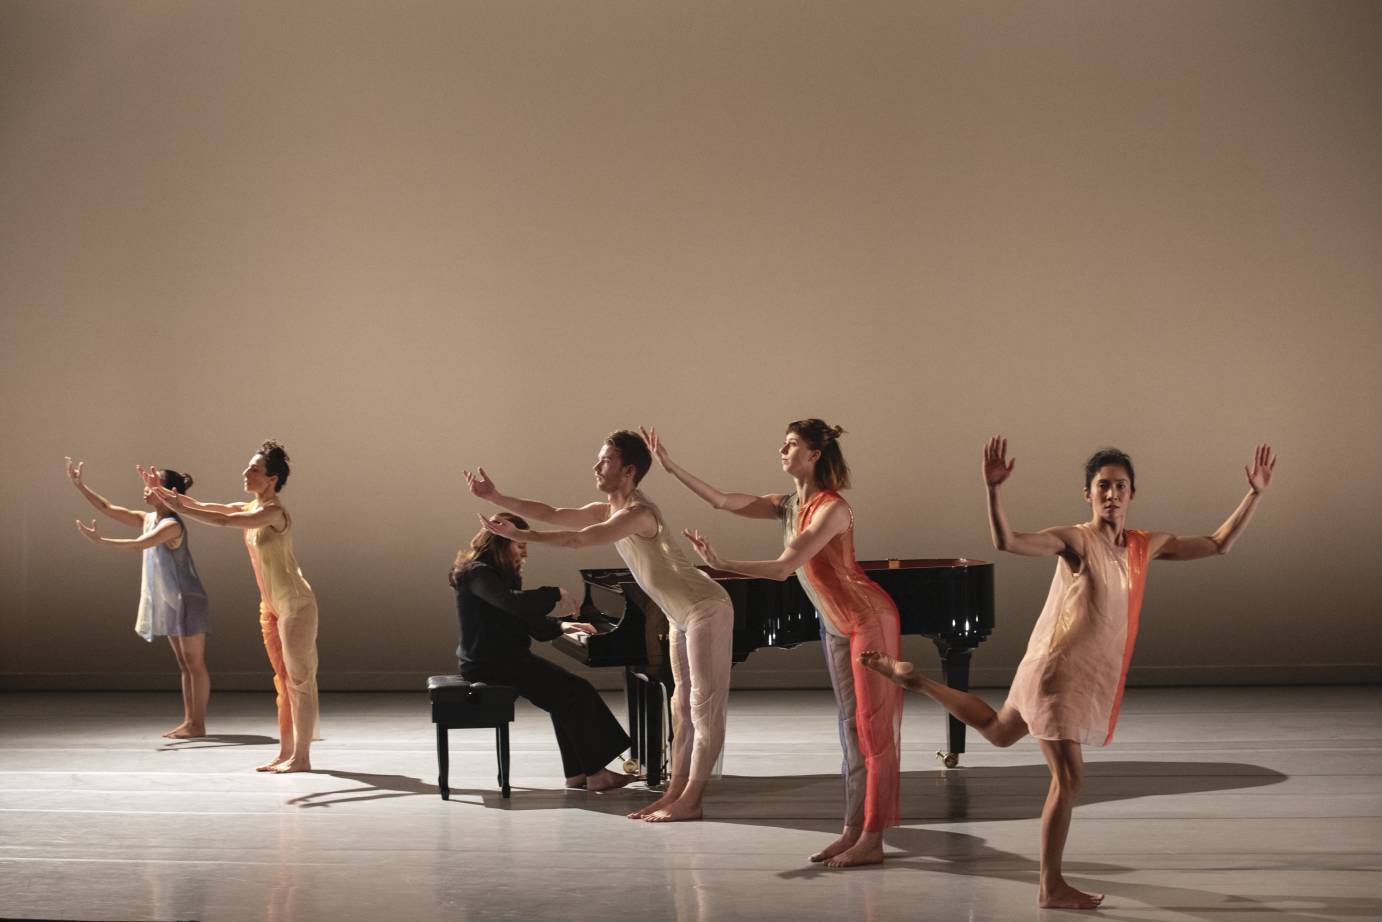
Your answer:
<point x="698" y="609"/>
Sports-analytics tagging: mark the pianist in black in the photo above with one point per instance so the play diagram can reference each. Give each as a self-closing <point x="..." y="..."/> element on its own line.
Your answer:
<point x="499" y="620"/>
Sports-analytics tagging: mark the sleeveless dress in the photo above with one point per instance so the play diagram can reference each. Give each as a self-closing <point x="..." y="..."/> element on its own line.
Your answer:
<point x="856" y="614"/>
<point x="172" y="602"/>
<point x="1069" y="685"/>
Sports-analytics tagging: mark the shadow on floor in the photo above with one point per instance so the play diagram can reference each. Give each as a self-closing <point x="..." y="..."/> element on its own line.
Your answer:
<point x="217" y="741"/>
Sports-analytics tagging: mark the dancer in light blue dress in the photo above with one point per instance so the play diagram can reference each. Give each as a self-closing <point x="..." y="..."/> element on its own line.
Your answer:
<point x="172" y="602"/>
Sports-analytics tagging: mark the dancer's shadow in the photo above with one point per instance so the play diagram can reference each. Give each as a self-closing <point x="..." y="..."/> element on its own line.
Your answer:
<point x="217" y="741"/>
<point x="371" y="787"/>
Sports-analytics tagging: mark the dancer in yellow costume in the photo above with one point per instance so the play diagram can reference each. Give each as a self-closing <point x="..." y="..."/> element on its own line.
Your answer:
<point x="287" y="607"/>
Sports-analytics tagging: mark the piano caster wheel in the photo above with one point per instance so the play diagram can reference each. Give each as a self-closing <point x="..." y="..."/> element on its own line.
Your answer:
<point x="949" y="759"/>
<point x="630" y="766"/>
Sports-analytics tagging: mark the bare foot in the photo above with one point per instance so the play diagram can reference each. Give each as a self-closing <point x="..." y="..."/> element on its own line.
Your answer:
<point x="186" y="732"/>
<point x="576" y="783"/>
<point x="883" y="664"/>
<point x="666" y="800"/>
<point x="834" y="848"/>
<point x="273" y="764"/>
<point x="857" y="855"/>
<point x="606" y="780"/>
<point x="1063" y="896"/>
<point x="293" y="765"/>
<point x="675" y="813"/>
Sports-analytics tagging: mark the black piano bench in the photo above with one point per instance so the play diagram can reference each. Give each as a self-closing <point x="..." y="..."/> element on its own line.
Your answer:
<point x="460" y="705"/>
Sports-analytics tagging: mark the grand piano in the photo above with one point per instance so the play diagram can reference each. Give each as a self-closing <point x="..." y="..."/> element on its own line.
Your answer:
<point x="950" y="601"/>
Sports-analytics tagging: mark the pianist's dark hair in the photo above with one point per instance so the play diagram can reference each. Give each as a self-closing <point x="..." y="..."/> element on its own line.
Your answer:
<point x="1109" y="456"/>
<point x="486" y="548"/>
<point x="632" y="450"/>
<point x="832" y="473"/>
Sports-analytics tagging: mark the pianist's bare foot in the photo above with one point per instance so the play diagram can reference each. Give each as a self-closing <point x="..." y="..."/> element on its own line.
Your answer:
<point x="293" y="765"/>
<point x="1060" y="895"/>
<point x="606" y="780"/>
<point x="846" y="839"/>
<point x="883" y="664"/>
<point x="868" y="850"/>
<point x="576" y="782"/>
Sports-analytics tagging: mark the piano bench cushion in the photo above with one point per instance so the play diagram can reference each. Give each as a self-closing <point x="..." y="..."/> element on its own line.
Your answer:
<point x="458" y="704"/>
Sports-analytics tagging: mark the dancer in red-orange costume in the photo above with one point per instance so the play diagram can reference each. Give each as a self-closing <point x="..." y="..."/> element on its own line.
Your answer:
<point x="856" y="615"/>
<point x="1069" y="686"/>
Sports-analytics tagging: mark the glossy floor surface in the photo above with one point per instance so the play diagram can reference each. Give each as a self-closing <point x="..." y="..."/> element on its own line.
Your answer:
<point x="1212" y="804"/>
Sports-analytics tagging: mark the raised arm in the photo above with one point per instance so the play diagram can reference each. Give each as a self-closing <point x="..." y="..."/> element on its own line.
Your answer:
<point x="1164" y="546"/>
<point x="482" y="486"/>
<point x="167" y="529"/>
<point x="997" y="468"/>
<point x="241" y="517"/>
<point x="748" y="505"/>
<point x="804" y="546"/>
<point x="150" y="477"/>
<point x="636" y="520"/>
<point x="102" y="505"/>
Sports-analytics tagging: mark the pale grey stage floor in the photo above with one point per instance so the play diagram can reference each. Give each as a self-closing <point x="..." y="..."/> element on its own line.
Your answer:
<point x="1213" y="804"/>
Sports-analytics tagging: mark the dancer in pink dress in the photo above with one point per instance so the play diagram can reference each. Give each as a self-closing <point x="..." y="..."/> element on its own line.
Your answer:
<point x="1069" y="686"/>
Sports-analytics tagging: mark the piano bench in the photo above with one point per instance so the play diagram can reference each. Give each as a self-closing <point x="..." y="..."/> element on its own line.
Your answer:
<point x="457" y="705"/>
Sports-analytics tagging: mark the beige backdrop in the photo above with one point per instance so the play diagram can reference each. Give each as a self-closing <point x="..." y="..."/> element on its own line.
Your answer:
<point x="411" y="238"/>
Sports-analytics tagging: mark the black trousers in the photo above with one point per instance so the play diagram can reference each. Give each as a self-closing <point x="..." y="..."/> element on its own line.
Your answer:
<point x="588" y="735"/>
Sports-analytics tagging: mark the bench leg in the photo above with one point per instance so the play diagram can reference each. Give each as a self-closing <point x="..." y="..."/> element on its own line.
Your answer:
<point x="443" y="762"/>
<point x="501" y="734"/>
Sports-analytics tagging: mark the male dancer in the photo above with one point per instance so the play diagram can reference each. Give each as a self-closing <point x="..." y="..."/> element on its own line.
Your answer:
<point x="698" y="609"/>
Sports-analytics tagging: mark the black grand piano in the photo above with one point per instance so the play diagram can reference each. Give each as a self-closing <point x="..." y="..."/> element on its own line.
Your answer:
<point x="949" y="601"/>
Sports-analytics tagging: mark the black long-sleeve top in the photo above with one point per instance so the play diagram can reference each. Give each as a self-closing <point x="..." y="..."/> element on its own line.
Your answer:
<point x="499" y="621"/>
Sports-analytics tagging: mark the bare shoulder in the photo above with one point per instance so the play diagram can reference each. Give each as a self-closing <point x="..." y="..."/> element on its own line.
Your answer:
<point x="1158" y="541"/>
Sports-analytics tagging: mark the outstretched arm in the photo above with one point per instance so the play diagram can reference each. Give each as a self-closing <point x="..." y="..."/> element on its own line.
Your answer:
<point x="166" y="530"/>
<point x="271" y="516"/>
<point x="150" y="477"/>
<point x="997" y="468"/>
<point x="803" y="547"/>
<point x="1174" y="547"/>
<point x="103" y="505"/>
<point x="483" y="487"/>
<point x="745" y="504"/>
<point x="625" y="522"/>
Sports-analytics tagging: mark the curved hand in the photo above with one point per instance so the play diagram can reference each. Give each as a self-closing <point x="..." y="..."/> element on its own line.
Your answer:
<point x="74" y="473"/>
<point x="997" y="467"/>
<point x="481" y="486"/>
<point x="149" y="475"/>
<point x="502" y="527"/>
<point x="702" y="545"/>
<point x="1263" y="463"/>
<point x="89" y="531"/>
<point x="170" y="498"/>
<point x="656" y="446"/>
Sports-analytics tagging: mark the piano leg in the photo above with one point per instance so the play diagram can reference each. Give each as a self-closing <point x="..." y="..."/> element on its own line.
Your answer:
<point x="955" y="663"/>
<point x="633" y="697"/>
<point x="655" y="739"/>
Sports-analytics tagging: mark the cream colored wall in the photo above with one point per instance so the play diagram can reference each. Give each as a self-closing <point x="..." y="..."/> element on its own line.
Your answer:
<point x="411" y="239"/>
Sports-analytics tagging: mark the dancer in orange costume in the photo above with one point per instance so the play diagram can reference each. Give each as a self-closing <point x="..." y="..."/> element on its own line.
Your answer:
<point x="287" y="606"/>
<point x="856" y="615"/>
<point x="1069" y="686"/>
